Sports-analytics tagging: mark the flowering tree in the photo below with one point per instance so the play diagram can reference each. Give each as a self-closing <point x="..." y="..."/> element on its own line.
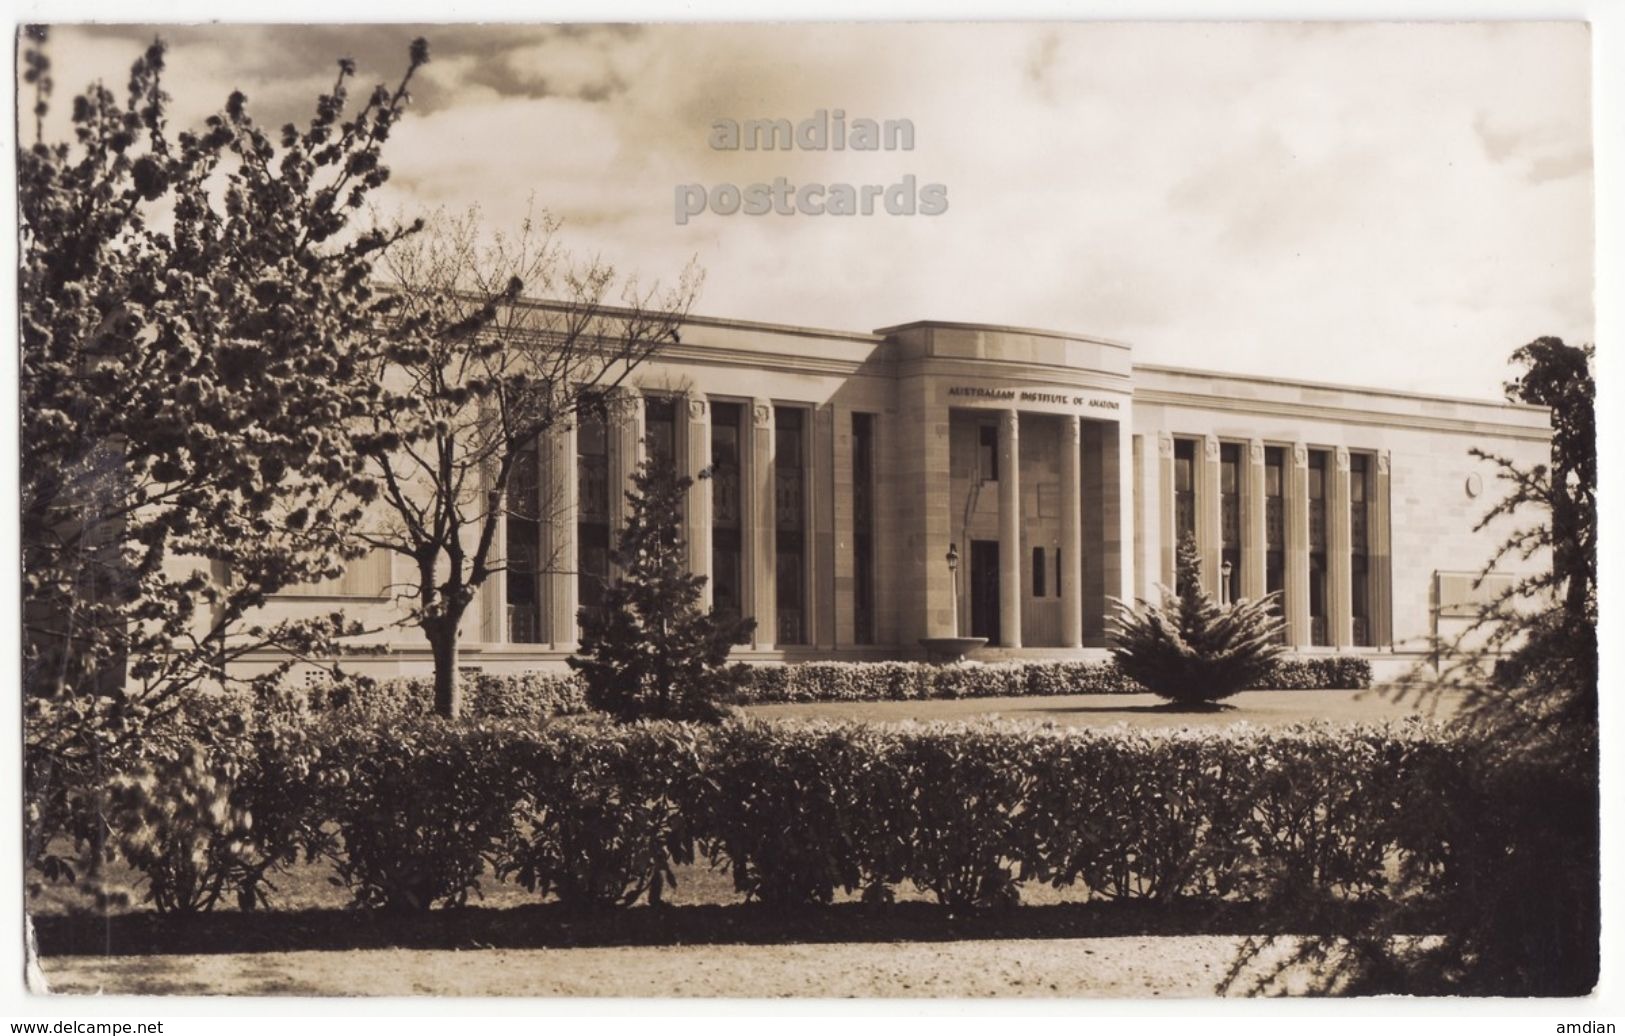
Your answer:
<point x="196" y="318"/>
<point x="484" y="373"/>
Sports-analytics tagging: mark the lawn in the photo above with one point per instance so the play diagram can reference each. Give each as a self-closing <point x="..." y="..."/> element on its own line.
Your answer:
<point x="1261" y="708"/>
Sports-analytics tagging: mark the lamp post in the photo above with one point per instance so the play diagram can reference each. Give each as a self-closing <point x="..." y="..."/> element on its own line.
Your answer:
<point x="1224" y="583"/>
<point x="953" y="579"/>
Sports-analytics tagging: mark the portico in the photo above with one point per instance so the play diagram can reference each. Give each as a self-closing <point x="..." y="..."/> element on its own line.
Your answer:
<point x="845" y="465"/>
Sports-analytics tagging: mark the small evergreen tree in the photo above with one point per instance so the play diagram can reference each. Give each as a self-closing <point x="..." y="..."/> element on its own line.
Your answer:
<point x="1190" y="649"/>
<point x="650" y="652"/>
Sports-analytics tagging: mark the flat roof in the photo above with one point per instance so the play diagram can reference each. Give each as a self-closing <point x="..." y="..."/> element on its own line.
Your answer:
<point x="880" y="334"/>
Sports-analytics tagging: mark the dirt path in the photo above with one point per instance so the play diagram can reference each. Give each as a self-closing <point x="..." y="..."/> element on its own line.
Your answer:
<point x="1135" y="967"/>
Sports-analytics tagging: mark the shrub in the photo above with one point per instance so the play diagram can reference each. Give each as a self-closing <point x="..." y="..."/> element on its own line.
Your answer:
<point x="530" y="696"/>
<point x="173" y="820"/>
<point x="1190" y="650"/>
<point x="1135" y="815"/>
<point x="798" y="812"/>
<point x="604" y="812"/>
<point x="220" y="798"/>
<point x="421" y="808"/>
<point x="964" y="827"/>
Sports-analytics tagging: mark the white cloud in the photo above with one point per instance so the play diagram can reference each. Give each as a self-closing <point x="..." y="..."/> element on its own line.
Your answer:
<point x="1390" y="204"/>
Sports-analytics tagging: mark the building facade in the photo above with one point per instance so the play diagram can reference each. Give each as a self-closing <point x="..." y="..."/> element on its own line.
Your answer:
<point x="1058" y="472"/>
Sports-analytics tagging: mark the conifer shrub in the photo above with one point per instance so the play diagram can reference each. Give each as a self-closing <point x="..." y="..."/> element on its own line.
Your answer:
<point x="1191" y="650"/>
<point x="649" y="651"/>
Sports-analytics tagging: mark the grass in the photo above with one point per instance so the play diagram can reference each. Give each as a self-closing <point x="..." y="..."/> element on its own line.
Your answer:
<point x="1260" y="708"/>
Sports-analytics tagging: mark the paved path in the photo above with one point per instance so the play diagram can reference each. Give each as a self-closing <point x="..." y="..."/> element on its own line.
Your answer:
<point x="1134" y="967"/>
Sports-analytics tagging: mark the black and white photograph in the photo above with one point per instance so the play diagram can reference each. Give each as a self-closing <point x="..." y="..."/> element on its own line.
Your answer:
<point x="1039" y="510"/>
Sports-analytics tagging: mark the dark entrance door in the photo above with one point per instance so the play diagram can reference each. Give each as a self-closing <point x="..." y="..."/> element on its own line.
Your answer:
<point x="984" y="589"/>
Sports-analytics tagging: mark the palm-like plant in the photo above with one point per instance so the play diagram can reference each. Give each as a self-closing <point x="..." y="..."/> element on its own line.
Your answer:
<point x="1192" y="650"/>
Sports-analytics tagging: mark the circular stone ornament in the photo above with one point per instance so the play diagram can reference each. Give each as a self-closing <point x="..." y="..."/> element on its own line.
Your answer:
<point x="1475" y="484"/>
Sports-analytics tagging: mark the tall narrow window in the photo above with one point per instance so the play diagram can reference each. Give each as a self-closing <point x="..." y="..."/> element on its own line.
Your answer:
<point x="790" y="511"/>
<point x="1360" y="545"/>
<point x="1275" y="526"/>
<point x="987" y="452"/>
<point x="727" y="559"/>
<point x="1039" y="573"/>
<point x="1317" y="547"/>
<point x="1184" y="494"/>
<point x="1230" y="517"/>
<point x="592" y="522"/>
<point x="524" y="547"/>
<point x="863" y="528"/>
<point x="660" y="431"/>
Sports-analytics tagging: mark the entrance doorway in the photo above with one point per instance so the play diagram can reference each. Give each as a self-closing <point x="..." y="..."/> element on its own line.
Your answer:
<point x="984" y="589"/>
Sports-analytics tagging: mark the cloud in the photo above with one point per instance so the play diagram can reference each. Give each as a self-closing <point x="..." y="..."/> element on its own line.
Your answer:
<point x="1395" y="204"/>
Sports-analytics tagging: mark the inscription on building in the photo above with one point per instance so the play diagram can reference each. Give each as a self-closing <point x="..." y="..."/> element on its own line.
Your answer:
<point x="1032" y="396"/>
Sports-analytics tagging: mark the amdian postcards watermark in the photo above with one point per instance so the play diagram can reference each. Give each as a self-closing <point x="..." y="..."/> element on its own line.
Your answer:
<point x="825" y="130"/>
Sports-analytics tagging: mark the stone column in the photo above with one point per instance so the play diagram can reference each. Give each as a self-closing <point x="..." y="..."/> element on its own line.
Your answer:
<point x="1009" y="528"/>
<point x="761" y="526"/>
<point x="1071" y="535"/>
<point x="1209" y="516"/>
<point x="1117" y="509"/>
<point x="626" y="454"/>
<point x="1381" y="558"/>
<point x="1297" y="548"/>
<point x="560" y="594"/>
<point x="1339" y="563"/>
<point x="1254" y="548"/>
<point x="821" y="544"/>
<point x="1165" y="511"/>
<point x="697" y="505"/>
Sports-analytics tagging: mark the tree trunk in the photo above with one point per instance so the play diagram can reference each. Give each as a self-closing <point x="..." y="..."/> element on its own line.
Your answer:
<point x="448" y="691"/>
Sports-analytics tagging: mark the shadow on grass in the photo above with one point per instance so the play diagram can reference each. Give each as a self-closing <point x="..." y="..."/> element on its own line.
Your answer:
<point x="1164" y="709"/>
<point x="549" y="925"/>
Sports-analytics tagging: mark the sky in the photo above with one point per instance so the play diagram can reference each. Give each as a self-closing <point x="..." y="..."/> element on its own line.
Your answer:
<point x="1393" y="205"/>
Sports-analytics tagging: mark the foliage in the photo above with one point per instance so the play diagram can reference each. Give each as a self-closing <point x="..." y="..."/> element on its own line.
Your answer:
<point x="1506" y="844"/>
<point x="532" y="696"/>
<point x="966" y="821"/>
<point x="195" y="317"/>
<point x="414" y="813"/>
<point x="488" y="374"/>
<point x="1191" y="650"/>
<point x="422" y="808"/>
<point x="799" y="813"/>
<point x="649" y="650"/>
<point x="911" y="681"/>
<point x="605" y="812"/>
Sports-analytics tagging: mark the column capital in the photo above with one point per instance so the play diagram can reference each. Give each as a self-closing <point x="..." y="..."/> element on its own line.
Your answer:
<point x="1255" y="451"/>
<point x="1384" y="458"/>
<point x="696" y="407"/>
<point x="1342" y="458"/>
<point x="1300" y="455"/>
<point x="1074" y="430"/>
<point x="1165" y="444"/>
<point x="623" y="402"/>
<point x="1010" y="418"/>
<point x="1210" y="447"/>
<point x="762" y="412"/>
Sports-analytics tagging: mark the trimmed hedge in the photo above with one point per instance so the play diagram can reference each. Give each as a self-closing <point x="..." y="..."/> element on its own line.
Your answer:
<point x="416" y="813"/>
<point x="526" y="696"/>
<point x="904" y="681"/>
<point x="539" y="695"/>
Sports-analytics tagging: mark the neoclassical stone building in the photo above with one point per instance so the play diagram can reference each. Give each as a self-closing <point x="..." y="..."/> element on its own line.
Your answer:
<point x="1059" y="472"/>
